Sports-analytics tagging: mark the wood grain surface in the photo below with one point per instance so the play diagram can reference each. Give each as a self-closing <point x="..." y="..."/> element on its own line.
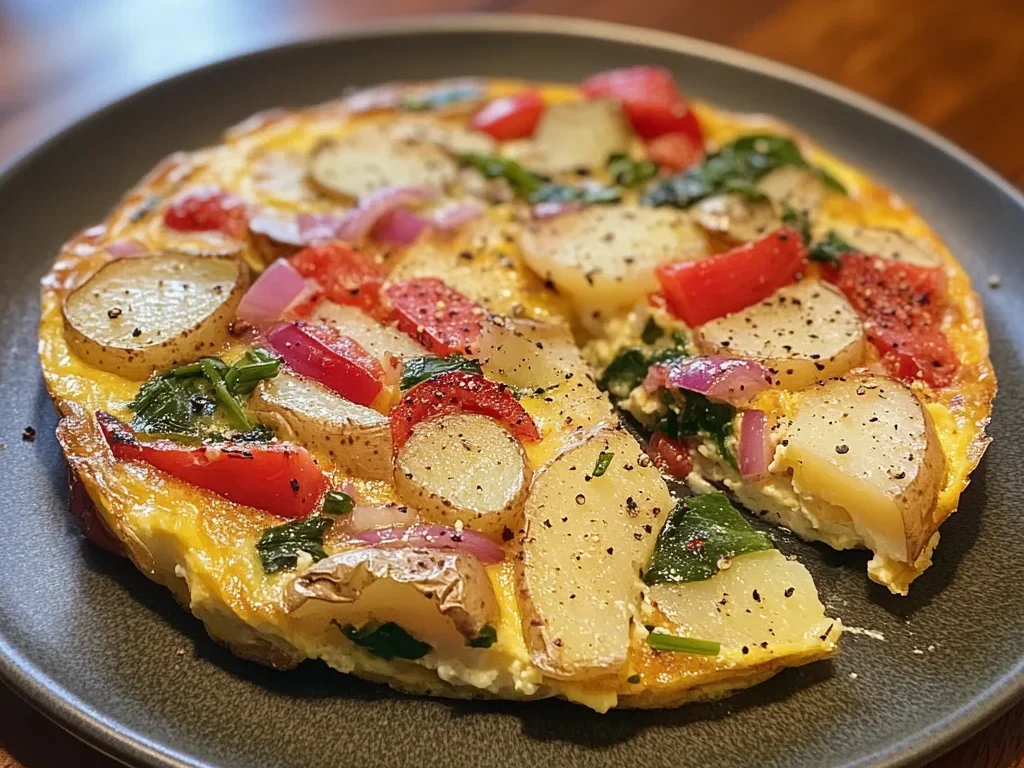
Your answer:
<point x="955" y="65"/>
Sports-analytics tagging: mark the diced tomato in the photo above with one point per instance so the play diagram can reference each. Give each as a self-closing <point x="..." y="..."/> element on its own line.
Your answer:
<point x="510" y="117"/>
<point x="438" y="317"/>
<point x="280" y="478"/>
<point x="347" y="276"/>
<point x="209" y="210"/>
<point x="670" y="457"/>
<point x="902" y="306"/>
<point x="335" y="360"/>
<point x="675" y="151"/>
<point x="650" y="99"/>
<point x="460" y="392"/>
<point x="699" y="291"/>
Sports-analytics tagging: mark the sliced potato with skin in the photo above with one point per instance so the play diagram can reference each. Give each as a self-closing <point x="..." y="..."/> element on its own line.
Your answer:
<point x="584" y="544"/>
<point x="298" y="409"/>
<point x="604" y="256"/>
<point x="274" y="237"/>
<point x="868" y="445"/>
<point x="464" y="467"/>
<point x="889" y="244"/>
<point x="737" y="219"/>
<point x="794" y="187"/>
<point x="442" y="598"/>
<point x="451" y="137"/>
<point x="141" y="314"/>
<point x="802" y="333"/>
<point x="368" y="159"/>
<point x="786" y="611"/>
<point x="376" y="338"/>
<point x="572" y="135"/>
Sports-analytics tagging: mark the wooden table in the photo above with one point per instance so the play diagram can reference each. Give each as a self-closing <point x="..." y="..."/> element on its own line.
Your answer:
<point x="956" y="66"/>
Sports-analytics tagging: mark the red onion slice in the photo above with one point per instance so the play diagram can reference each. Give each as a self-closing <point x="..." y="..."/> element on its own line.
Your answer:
<point x="400" y="227"/>
<point x="435" y="537"/>
<point x="358" y="222"/>
<point x="725" y="379"/>
<point x="754" y="450"/>
<point x="318" y="227"/>
<point x="273" y="292"/>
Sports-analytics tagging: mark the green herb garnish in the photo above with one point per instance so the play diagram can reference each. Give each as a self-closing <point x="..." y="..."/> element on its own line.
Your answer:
<point x="419" y="369"/>
<point x="536" y="188"/>
<point x="279" y="546"/>
<point x="699" y="533"/>
<point x="660" y="641"/>
<point x="488" y="636"/>
<point x="337" y="503"/>
<point x="689" y="414"/>
<point x="225" y="399"/>
<point x="831" y="249"/>
<point x="254" y="366"/>
<point x="628" y="172"/>
<point x="168" y="404"/>
<point x="737" y="167"/>
<point x="388" y="640"/>
<point x="604" y="459"/>
<point x="799" y="221"/>
<point x="441" y="97"/>
<point x="651" y="332"/>
<point x="588" y="195"/>
<point x="624" y="373"/>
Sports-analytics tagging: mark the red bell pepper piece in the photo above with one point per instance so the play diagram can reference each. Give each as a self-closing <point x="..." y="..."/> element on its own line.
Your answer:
<point x="699" y="291"/>
<point x="438" y="317"/>
<point x="280" y="478"/>
<point x="347" y="276"/>
<point x="670" y="457"/>
<point x="510" y="117"/>
<point x="675" y="152"/>
<point x="335" y="360"/>
<point x="460" y="392"/>
<point x="650" y="99"/>
<point x="209" y="210"/>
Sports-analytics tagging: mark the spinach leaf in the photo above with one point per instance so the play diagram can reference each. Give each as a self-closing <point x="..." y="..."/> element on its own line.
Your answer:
<point x="700" y="532"/>
<point x="168" y="404"/>
<point x="441" y="97"/>
<point x="388" y="640"/>
<point x="651" y="332"/>
<point x="690" y="413"/>
<point x="536" y="188"/>
<point x="628" y="172"/>
<point x="338" y="503"/>
<point x="624" y="373"/>
<point x="419" y="369"/>
<point x="736" y="167"/>
<point x="588" y="195"/>
<point x="799" y="221"/>
<point x="279" y="546"/>
<point x="831" y="249"/>
<point x="488" y="636"/>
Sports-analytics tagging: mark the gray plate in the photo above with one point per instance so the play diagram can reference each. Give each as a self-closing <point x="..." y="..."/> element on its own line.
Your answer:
<point x="93" y="644"/>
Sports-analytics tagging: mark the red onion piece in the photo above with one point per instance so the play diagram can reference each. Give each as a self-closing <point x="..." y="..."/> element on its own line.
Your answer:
<point x="725" y="379"/>
<point x="318" y="227"/>
<point x="400" y="227"/>
<point x="552" y="209"/>
<point x="754" y="450"/>
<point x="435" y="537"/>
<point x="273" y="292"/>
<point x="358" y="222"/>
<point x="453" y="215"/>
<point x="365" y="517"/>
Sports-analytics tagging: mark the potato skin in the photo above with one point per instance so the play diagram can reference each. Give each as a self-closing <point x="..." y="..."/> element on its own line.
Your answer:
<point x="163" y="347"/>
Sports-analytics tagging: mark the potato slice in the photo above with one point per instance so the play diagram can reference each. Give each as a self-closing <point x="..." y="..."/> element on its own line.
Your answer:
<point x="584" y="542"/>
<point x="803" y="333"/>
<point x="274" y="237"/>
<point x="451" y="137"/>
<point x="368" y="159"/>
<point x="889" y="244"/>
<point x="442" y="598"/>
<point x="604" y="256"/>
<point x="785" y="612"/>
<point x="737" y="219"/>
<point x="794" y="187"/>
<point x="376" y="338"/>
<point x="464" y="467"/>
<point x="868" y="445"/>
<point x="141" y="314"/>
<point x="298" y="409"/>
<point x="573" y="135"/>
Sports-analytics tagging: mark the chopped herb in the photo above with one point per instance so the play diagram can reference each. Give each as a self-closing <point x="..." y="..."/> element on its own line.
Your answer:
<point x="628" y="172"/>
<point x="660" y="641"/>
<point x="698" y="535"/>
<point x="441" y="97"/>
<point x="254" y="366"/>
<point x="419" y="369"/>
<point x="338" y="503"/>
<point x="590" y="194"/>
<point x="624" y="373"/>
<point x="651" y="332"/>
<point x="831" y="249"/>
<point x="799" y="221"/>
<point x="388" y="640"/>
<point x="737" y="167"/>
<point x="224" y="397"/>
<point x="689" y="414"/>
<point x="171" y="404"/>
<point x="633" y="679"/>
<point x="604" y="459"/>
<point x="536" y="188"/>
<point x="488" y="636"/>
<point x="279" y="546"/>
